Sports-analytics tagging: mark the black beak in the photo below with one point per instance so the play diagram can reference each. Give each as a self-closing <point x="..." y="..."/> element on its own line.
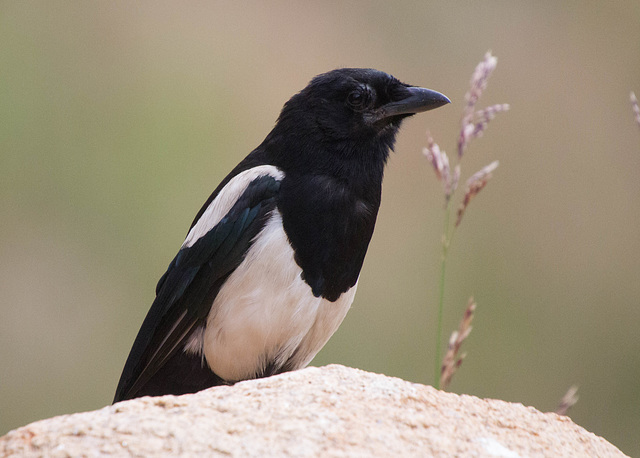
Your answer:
<point x="420" y="99"/>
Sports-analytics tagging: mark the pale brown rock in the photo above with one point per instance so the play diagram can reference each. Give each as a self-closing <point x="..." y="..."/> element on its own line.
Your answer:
<point x="328" y="411"/>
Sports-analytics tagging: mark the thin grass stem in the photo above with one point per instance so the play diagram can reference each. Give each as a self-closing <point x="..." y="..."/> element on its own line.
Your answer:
<point x="443" y="268"/>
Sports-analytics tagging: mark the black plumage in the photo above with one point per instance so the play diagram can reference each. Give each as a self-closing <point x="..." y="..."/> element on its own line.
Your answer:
<point x="318" y="177"/>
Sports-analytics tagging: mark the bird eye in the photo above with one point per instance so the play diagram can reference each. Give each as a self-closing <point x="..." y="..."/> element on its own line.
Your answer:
<point x="360" y="99"/>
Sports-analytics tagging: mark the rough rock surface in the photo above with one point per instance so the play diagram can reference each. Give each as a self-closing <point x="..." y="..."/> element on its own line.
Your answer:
<point x="329" y="411"/>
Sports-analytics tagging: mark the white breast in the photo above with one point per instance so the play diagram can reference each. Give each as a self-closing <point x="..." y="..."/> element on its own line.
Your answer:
<point x="265" y="312"/>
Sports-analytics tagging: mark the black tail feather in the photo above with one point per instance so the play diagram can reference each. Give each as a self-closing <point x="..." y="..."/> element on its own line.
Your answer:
<point x="182" y="373"/>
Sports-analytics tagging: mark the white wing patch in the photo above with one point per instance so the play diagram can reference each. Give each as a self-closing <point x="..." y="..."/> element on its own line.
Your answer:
<point x="265" y="312"/>
<point x="225" y="200"/>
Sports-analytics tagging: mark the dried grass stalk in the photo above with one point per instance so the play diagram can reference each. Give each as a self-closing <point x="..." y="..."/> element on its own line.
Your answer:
<point x="476" y="125"/>
<point x="634" y="106"/>
<point x="475" y="183"/>
<point x="568" y="400"/>
<point x="473" y="124"/>
<point x="440" y="163"/>
<point x="452" y="361"/>
<point x="479" y="81"/>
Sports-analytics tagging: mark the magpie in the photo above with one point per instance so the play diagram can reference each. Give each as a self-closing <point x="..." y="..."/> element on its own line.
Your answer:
<point x="271" y="262"/>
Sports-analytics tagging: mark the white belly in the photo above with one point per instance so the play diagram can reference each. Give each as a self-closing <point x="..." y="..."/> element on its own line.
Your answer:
<point x="265" y="312"/>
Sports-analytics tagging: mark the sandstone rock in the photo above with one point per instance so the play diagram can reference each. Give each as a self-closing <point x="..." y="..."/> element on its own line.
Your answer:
<point x="328" y="411"/>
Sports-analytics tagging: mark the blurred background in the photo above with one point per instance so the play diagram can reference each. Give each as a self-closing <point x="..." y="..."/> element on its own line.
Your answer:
<point x="118" y="120"/>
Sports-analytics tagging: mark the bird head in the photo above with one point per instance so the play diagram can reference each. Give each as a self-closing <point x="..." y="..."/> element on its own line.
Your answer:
<point x="351" y="112"/>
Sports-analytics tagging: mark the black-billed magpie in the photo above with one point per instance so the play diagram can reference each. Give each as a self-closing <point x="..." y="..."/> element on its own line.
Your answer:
<point x="271" y="262"/>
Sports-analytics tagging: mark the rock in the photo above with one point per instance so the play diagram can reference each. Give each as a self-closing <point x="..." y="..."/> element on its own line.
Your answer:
<point x="328" y="411"/>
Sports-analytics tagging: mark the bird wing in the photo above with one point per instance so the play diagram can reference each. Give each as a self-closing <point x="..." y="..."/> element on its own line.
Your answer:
<point x="214" y="248"/>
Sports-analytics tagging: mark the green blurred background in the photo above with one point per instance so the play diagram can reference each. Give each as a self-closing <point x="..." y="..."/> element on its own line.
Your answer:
<point x="117" y="121"/>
